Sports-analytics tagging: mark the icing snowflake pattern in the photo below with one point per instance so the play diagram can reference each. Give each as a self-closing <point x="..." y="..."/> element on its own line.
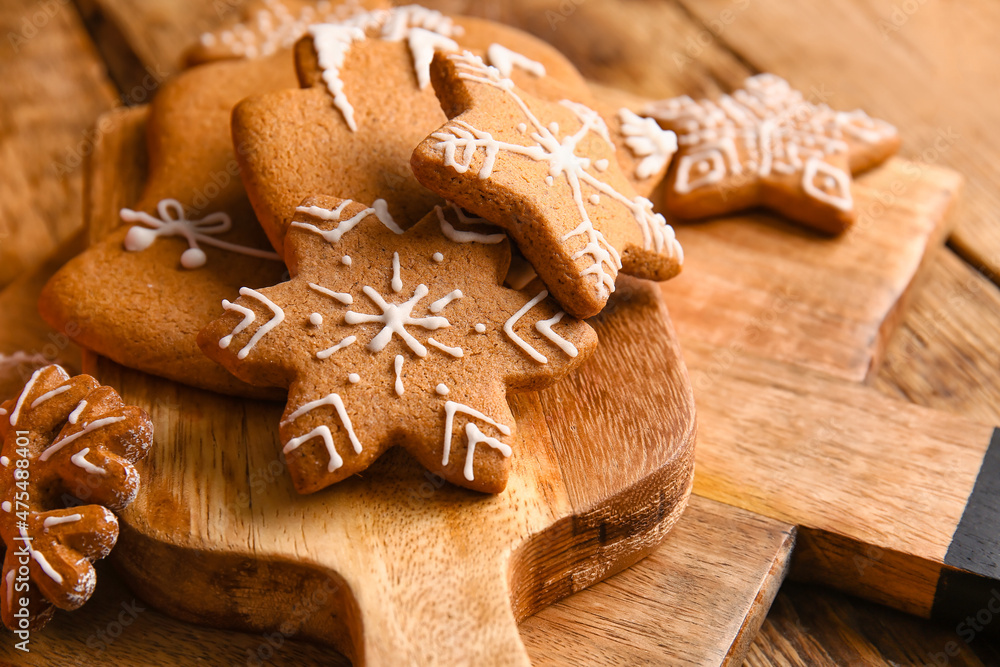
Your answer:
<point x="395" y="338"/>
<point x="767" y="129"/>
<point x="172" y="222"/>
<point x="459" y="142"/>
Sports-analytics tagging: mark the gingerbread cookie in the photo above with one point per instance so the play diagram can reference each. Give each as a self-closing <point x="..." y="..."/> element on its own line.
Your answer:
<point x="264" y="27"/>
<point x="547" y="173"/>
<point x="64" y="439"/>
<point x="365" y="103"/>
<point x="141" y="295"/>
<point x="385" y="337"/>
<point x="766" y="145"/>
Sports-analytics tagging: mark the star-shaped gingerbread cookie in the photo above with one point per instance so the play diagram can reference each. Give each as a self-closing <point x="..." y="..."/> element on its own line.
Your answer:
<point x="385" y="338"/>
<point x="547" y="173"/>
<point x="766" y="145"/>
<point x="365" y="102"/>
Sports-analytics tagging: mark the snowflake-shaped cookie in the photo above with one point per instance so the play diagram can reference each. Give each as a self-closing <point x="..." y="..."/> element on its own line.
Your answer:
<point x="766" y="145"/>
<point x="385" y="337"/>
<point x="547" y="173"/>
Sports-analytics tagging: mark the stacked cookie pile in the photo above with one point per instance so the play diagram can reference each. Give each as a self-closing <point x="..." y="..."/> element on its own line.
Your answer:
<point x="406" y="215"/>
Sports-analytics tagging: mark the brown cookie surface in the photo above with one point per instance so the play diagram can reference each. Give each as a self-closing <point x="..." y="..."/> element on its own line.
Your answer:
<point x="365" y="103"/>
<point x="547" y="173"/>
<point x="385" y="337"/>
<point x="141" y="295"/>
<point x="766" y="145"/>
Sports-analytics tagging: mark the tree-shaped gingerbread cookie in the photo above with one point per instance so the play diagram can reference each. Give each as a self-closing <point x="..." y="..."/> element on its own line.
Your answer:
<point x="385" y="338"/>
<point x="547" y="173"/>
<point x="64" y="440"/>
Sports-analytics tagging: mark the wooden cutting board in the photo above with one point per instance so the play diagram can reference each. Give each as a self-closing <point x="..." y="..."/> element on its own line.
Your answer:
<point x="410" y="570"/>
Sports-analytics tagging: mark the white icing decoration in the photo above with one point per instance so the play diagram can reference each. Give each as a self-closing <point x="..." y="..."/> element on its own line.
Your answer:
<point x="453" y="351"/>
<point x="457" y="236"/>
<point x="602" y="164"/>
<point x="61" y="441"/>
<point x="508" y="328"/>
<point x="544" y="327"/>
<point x="506" y="60"/>
<point x="278" y="316"/>
<point x="595" y="199"/>
<point x="646" y="139"/>
<point x="442" y="389"/>
<point x="342" y="297"/>
<point x="346" y="260"/>
<point x="79" y="460"/>
<point x="776" y="129"/>
<point x="424" y="30"/>
<point x="522" y="127"/>
<point x="397" y="282"/>
<point x="315" y="319"/>
<point x="328" y="352"/>
<point x="398" y="365"/>
<point x="173" y="223"/>
<point x="324" y="431"/>
<point x="77" y="411"/>
<point x="394" y="319"/>
<point x="49" y="394"/>
<point x="439" y="305"/>
<point x="480" y="328"/>
<point x="5" y="506"/>
<point x="437" y="257"/>
<point x="379" y="210"/>
<point x="16" y="414"/>
<point x="10" y="588"/>
<point x="59" y="520"/>
<point x="473" y="437"/>
<point x="274" y="27"/>
<point x="451" y="408"/>
<point x="459" y="142"/>
<point x="4" y="461"/>
<point x="354" y="378"/>
<point x="423" y="44"/>
<point x="40" y="559"/>
<point x="836" y="190"/>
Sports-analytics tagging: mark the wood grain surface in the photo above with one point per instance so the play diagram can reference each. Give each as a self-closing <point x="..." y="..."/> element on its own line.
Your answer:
<point x="945" y="352"/>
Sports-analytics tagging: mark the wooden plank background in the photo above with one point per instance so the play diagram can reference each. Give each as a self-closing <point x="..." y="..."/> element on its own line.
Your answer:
<point x="929" y="67"/>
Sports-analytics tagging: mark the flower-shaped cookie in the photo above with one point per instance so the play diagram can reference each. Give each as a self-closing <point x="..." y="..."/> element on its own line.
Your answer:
<point x="64" y="439"/>
<point x="547" y="173"/>
<point x="388" y="338"/>
<point x="766" y="145"/>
